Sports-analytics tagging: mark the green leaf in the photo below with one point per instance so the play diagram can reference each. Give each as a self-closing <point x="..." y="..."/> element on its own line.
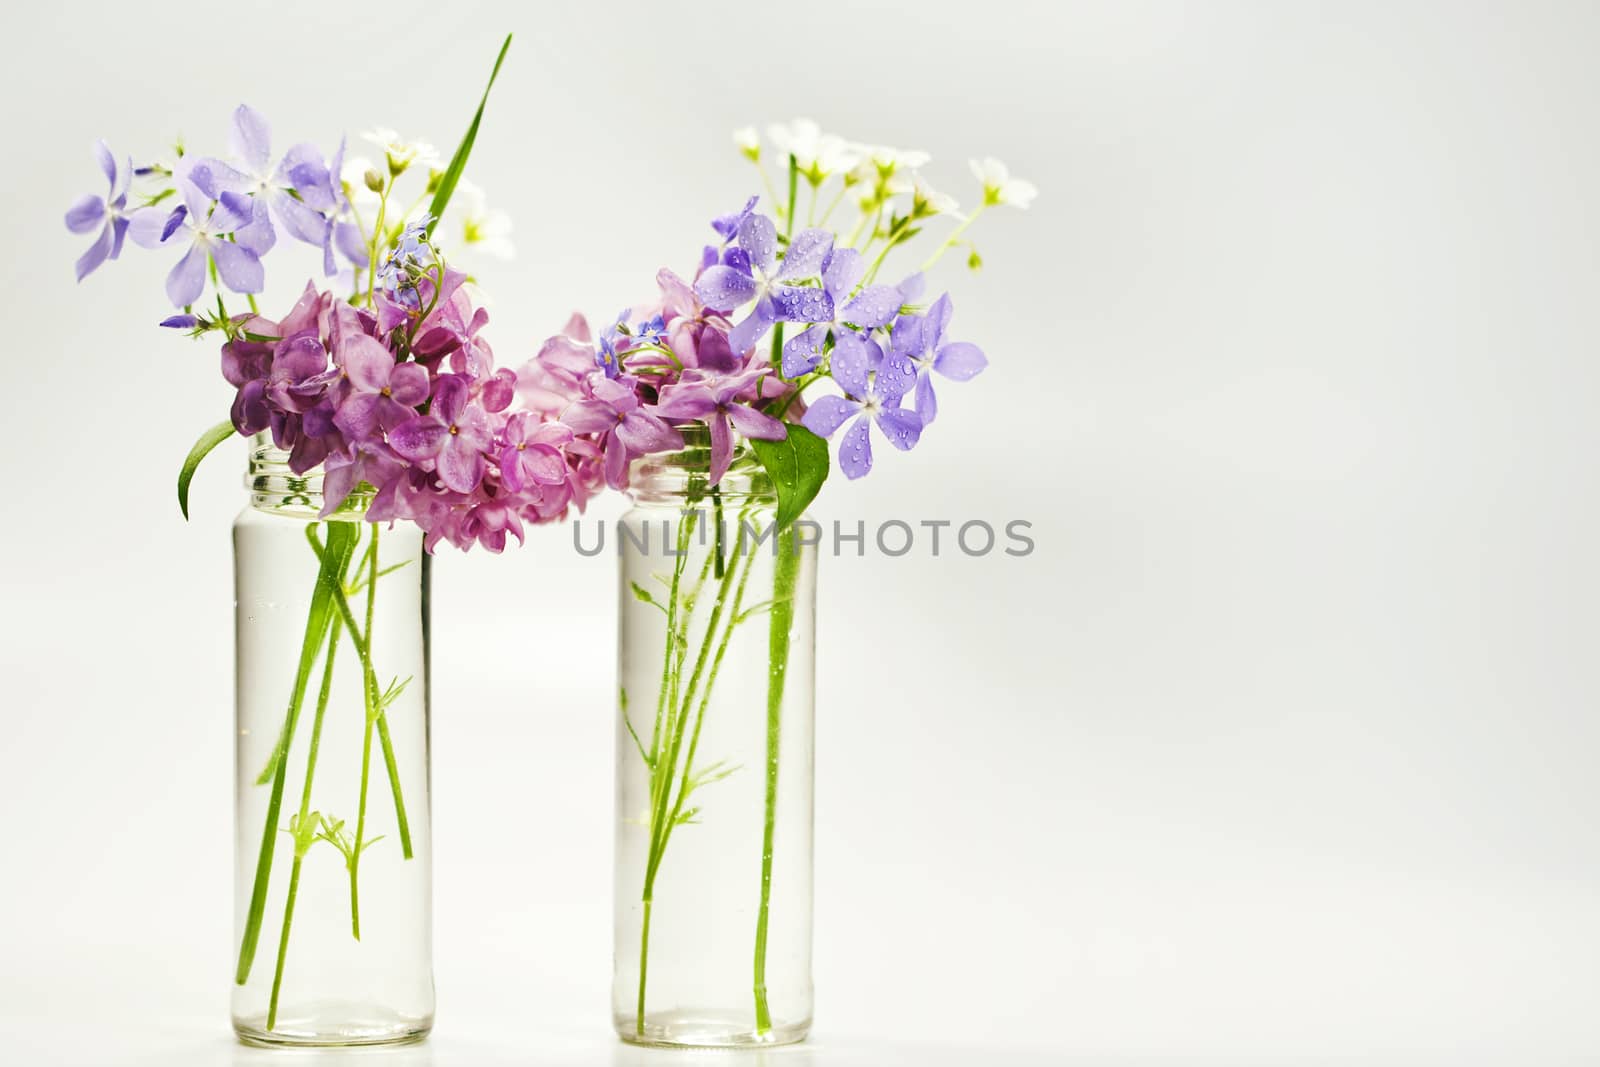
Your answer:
<point x="458" y="162"/>
<point x="202" y="448"/>
<point x="797" y="465"/>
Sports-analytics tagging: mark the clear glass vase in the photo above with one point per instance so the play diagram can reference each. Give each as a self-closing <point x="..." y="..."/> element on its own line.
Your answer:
<point x="714" y="761"/>
<point x="332" y="876"/>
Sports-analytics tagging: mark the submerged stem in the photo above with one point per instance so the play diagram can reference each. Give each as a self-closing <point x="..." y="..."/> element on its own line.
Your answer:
<point x="303" y="834"/>
<point x="318" y="620"/>
<point x="369" y="692"/>
<point x="785" y="574"/>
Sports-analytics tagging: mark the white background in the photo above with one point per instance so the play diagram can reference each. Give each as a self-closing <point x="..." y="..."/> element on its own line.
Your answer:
<point x="1280" y="747"/>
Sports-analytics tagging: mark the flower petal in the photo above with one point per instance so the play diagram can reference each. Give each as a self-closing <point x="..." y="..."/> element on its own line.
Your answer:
<point x="251" y="138"/>
<point x="827" y="413"/>
<point x="95" y="255"/>
<point x="756" y="424"/>
<point x="876" y="305"/>
<point x="855" y="449"/>
<point x="927" y="404"/>
<point x="902" y="427"/>
<point x="721" y="447"/>
<point x="725" y="288"/>
<point x="744" y="336"/>
<point x="408" y="384"/>
<point x="845" y="268"/>
<point x="460" y="464"/>
<point x="896" y="377"/>
<point x="806" y="254"/>
<point x="802" y="303"/>
<point x="686" y="402"/>
<point x="960" y="361"/>
<point x="188" y="278"/>
<point x="239" y="267"/>
<point x="759" y="239"/>
<point x="86" y="214"/>
<point x="419" y="439"/>
<point x="853" y="356"/>
<point x="590" y="416"/>
<point x="367" y="362"/>
<point x="803" y="351"/>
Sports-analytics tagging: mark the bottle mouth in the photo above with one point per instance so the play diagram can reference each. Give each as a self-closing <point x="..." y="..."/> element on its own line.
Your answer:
<point x="274" y="487"/>
<point x="684" y="477"/>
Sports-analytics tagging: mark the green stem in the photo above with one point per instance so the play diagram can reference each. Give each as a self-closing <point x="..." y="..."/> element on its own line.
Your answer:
<point x="370" y="688"/>
<point x="705" y="697"/>
<point x="955" y="235"/>
<point x="283" y="939"/>
<point x="794" y="187"/>
<point x="785" y="574"/>
<point x="318" y="620"/>
<point x="369" y="692"/>
<point x="303" y="835"/>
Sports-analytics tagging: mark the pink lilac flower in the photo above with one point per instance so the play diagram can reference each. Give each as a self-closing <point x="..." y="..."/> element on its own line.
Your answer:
<point x="453" y="435"/>
<point x="629" y="429"/>
<point x="716" y="402"/>
<point x="533" y="452"/>
<point x="107" y="212"/>
<point x="384" y="393"/>
<point x="873" y="397"/>
<point x="752" y="272"/>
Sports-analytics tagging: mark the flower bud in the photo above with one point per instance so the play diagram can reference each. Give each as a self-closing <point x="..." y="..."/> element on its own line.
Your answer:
<point x="373" y="180"/>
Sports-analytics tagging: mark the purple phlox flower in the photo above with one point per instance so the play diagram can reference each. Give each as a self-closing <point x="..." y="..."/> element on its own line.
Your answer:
<point x="727" y="226"/>
<point x="921" y="339"/>
<point x="107" y="213"/>
<point x="752" y="272"/>
<point x="179" y="322"/>
<point x="532" y="454"/>
<point x="873" y="306"/>
<point x="629" y="429"/>
<point x="204" y="224"/>
<point x="383" y="393"/>
<point x="873" y="397"/>
<point x="453" y="435"/>
<point x="911" y="288"/>
<point x="716" y="401"/>
<point x="368" y="460"/>
<point x="298" y="190"/>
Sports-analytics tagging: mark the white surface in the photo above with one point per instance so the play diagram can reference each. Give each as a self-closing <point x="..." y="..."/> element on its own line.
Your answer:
<point x="1280" y="747"/>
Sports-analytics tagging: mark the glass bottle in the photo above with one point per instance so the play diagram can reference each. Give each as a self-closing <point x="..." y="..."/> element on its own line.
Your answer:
<point x="714" y="760"/>
<point x="332" y="875"/>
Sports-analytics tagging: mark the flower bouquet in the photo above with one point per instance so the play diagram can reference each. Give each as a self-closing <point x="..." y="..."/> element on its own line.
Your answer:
<point x="374" y="402"/>
<point x="701" y="403"/>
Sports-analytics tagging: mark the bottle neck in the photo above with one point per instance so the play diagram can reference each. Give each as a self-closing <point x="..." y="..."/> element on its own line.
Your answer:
<point x="276" y="489"/>
<point x="683" y="478"/>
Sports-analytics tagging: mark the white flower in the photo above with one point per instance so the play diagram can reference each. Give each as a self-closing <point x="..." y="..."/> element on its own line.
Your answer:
<point x="888" y="160"/>
<point x="926" y="200"/>
<point x="817" y="155"/>
<point x="999" y="187"/>
<point x="467" y="219"/>
<point x="749" y="144"/>
<point x="402" y="154"/>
